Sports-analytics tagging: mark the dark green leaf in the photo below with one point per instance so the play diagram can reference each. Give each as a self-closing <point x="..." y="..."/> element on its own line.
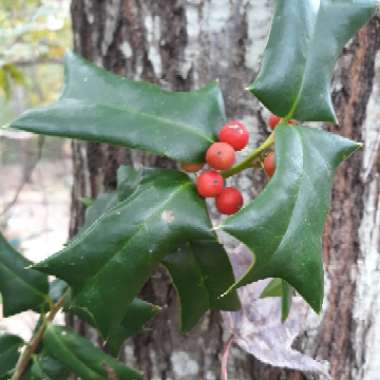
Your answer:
<point x="82" y="357"/>
<point x="9" y="352"/>
<point x="138" y="313"/>
<point x="284" y="224"/>
<point x="273" y="289"/>
<point x="201" y="273"/>
<point x="22" y="288"/>
<point x="306" y="38"/>
<point x="107" y="264"/>
<point x="97" y="105"/>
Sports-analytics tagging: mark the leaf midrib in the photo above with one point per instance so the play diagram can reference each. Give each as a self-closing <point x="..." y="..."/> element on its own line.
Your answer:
<point x="164" y="121"/>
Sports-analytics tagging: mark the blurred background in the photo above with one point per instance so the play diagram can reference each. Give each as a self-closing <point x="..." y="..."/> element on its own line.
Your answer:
<point x="35" y="172"/>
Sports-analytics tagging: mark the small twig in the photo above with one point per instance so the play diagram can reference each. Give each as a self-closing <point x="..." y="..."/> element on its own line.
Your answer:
<point x="224" y="359"/>
<point x="24" y="359"/>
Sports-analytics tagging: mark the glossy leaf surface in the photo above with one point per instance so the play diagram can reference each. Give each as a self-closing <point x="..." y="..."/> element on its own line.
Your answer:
<point x="82" y="357"/>
<point x="306" y="38"/>
<point x="284" y="224"/>
<point x="138" y="312"/>
<point x="108" y="263"/>
<point x="21" y="287"/>
<point x="201" y="273"/>
<point x="9" y="352"/>
<point x="97" y="105"/>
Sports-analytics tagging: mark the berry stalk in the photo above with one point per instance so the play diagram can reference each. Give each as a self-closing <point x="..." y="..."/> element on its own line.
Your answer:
<point x="247" y="162"/>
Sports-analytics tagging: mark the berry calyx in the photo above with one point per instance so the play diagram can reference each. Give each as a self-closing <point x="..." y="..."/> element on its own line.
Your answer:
<point x="229" y="201"/>
<point x="209" y="184"/>
<point x="234" y="133"/>
<point x="273" y="121"/>
<point x="220" y="156"/>
<point x="270" y="164"/>
<point x="191" y="167"/>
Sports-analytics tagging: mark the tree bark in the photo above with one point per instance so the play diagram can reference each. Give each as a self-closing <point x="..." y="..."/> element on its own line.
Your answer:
<point x="182" y="45"/>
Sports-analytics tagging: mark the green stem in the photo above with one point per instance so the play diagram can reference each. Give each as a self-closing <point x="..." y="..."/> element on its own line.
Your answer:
<point x="24" y="359"/>
<point x="247" y="162"/>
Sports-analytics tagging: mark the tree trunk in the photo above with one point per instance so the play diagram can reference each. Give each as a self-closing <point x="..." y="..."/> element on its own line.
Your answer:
<point x="182" y="45"/>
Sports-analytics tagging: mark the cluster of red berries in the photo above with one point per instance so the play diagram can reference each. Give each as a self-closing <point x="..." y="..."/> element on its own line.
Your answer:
<point x="221" y="155"/>
<point x="234" y="136"/>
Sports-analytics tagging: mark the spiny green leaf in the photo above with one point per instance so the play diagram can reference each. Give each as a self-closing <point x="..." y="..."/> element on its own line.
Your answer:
<point x="210" y="275"/>
<point x="108" y="263"/>
<point x="82" y="357"/>
<point x="138" y="313"/>
<point x="201" y="273"/>
<point x="22" y="288"/>
<point x="97" y="105"/>
<point x="284" y="224"/>
<point x="9" y="352"/>
<point x="306" y="38"/>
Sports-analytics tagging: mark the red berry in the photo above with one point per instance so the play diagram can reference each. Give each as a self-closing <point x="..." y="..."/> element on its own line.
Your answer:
<point x="273" y="121"/>
<point x="210" y="184"/>
<point x="270" y="164"/>
<point x="229" y="201"/>
<point x="234" y="133"/>
<point x="191" y="167"/>
<point x="292" y="122"/>
<point x="220" y="156"/>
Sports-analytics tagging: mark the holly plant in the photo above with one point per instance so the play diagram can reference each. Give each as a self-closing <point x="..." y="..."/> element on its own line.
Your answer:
<point x="159" y="217"/>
